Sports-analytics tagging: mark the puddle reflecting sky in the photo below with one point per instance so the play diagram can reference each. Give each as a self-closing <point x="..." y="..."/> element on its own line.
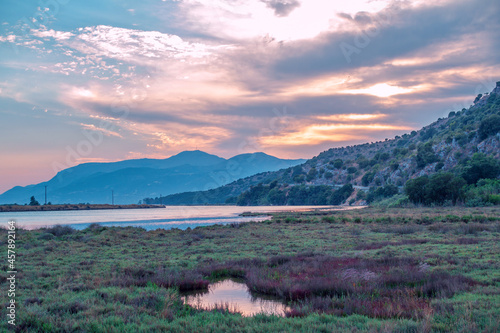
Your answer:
<point x="237" y="295"/>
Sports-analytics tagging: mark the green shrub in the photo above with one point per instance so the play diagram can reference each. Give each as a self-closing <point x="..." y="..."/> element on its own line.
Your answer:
<point x="481" y="166"/>
<point x="367" y="178"/>
<point x="485" y="193"/>
<point x="489" y="126"/>
<point x="312" y="174"/>
<point x="338" y="163"/>
<point x="351" y="169"/>
<point x="425" y="155"/>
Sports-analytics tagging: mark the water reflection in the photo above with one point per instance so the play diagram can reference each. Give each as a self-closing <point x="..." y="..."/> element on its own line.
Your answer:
<point x="236" y="296"/>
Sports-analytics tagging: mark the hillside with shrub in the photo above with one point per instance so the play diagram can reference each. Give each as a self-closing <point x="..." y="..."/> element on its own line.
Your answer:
<point x="453" y="160"/>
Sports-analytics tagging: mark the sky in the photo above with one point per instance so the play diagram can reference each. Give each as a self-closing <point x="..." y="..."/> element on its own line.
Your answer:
<point x="108" y="80"/>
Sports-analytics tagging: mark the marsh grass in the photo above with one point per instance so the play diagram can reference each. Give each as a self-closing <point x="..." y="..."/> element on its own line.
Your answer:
<point x="369" y="270"/>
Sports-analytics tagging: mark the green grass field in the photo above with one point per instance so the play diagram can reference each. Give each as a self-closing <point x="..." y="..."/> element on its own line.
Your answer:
<point x="369" y="270"/>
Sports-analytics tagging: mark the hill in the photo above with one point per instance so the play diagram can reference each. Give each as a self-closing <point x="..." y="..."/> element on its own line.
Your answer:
<point x="132" y="180"/>
<point x="378" y="169"/>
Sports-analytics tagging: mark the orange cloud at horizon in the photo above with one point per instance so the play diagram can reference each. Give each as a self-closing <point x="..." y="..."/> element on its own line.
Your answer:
<point x="316" y="134"/>
<point x="381" y="90"/>
<point x="352" y="116"/>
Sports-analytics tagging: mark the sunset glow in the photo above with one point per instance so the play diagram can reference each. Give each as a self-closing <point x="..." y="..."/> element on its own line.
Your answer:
<point x="316" y="134"/>
<point x="352" y="117"/>
<point x="380" y="90"/>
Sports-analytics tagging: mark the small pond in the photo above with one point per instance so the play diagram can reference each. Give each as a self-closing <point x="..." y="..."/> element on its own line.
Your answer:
<point x="237" y="297"/>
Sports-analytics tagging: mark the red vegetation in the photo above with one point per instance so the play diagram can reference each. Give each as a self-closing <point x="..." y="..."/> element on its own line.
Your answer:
<point x="381" y="288"/>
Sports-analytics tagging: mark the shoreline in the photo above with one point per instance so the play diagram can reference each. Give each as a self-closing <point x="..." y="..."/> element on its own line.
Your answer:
<point x="320" y="209"/>
<point x="64" y="207"/>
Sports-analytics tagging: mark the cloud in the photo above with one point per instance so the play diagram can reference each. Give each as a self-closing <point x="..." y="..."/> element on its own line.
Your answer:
<point x="47" y="34"/>
<point x="333" y="128"/>
<point x="283" y="20"/>
<point x="320" y="133"/>
<point x="8" y="38"/>
<point x="135" y="46"/>
<point x="282" y="7"/>
<point x="216" y="86"/>
<point x="380" y="90"/>
<point x="352" y="116"/>
<point x="107" y="132"/>
<point x="386" y="35"/>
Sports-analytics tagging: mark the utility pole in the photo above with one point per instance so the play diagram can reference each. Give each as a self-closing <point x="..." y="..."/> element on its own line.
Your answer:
<point x="112" y="197"/>
<point x="45" y="194"/>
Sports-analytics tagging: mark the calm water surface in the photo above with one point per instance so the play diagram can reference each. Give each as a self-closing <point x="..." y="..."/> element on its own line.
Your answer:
<point x="170" y="217"/>
<point x="238" y="298"/>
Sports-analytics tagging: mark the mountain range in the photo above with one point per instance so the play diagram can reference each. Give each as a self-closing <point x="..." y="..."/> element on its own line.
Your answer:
<point x="130" y="181"/>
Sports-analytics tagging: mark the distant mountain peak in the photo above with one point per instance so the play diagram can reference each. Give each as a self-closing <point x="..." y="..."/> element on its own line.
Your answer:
<point x="134" y="180"/>
<point x="193" y="152"/>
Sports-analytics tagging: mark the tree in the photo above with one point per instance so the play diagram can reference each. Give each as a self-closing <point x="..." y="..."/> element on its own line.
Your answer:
<point x="276" y="197"/>
<point x="297" y="171"/>
<point x="253" y="196"/>
<point x="341" y="194"/>
<point x="298" y="174"/>
<point x="480" y="166"/>
<point x="367" y="178"/>
<point x="457" y="189"/>
<point x="299" y="179"/>
<point x="425" y="135"/>
<point x="425" y="155"/>
<point x="489" y="126"/>
<point x="338" y="163"/>
<point x="312" y="174"/>
<point x="382" y="156"/>
<point x="389" y="190"/>
<point x="478" y="97"/>
<point x="351" y="169"/>
<point x="377" y="193"/>
<point x="437" y="189"/>
<point x="33" y="202"/>
<point x="415" y="189"/>
<point x="363" y="162"/>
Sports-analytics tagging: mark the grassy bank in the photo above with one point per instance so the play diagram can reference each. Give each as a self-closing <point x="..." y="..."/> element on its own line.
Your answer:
<point x="369" y="270"/>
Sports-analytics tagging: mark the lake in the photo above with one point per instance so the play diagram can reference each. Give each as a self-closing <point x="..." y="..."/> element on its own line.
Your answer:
<point x="181" y="217"/>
